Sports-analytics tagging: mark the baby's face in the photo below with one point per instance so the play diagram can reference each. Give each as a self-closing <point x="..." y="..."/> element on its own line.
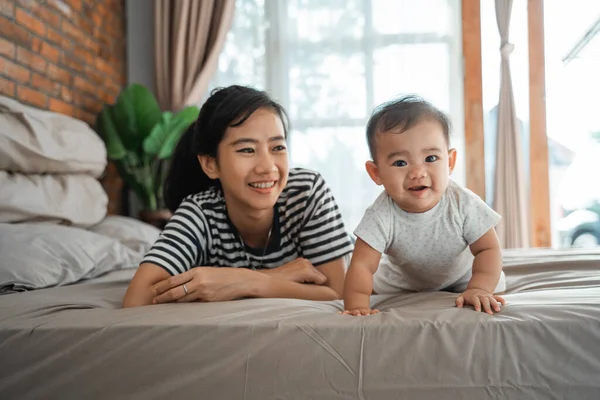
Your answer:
<point x="414" y="166"/>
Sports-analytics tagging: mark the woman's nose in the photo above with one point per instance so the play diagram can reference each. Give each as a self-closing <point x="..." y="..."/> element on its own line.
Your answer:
<point x="265" y="164"/>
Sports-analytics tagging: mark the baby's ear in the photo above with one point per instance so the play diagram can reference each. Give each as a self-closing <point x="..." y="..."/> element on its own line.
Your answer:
<point x="373" y="172"/>
<point x="451" y="159"/>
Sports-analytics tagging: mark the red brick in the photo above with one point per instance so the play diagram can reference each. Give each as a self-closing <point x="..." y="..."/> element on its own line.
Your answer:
<point x="7" y="48"/>
<point x="95" y="77"/>
<point x="54" y="36"/>
<point x="61" y="7"/>
<point x="66" y="94"/>
<point x="84" y="55"/>
<point x="45" y="85"/>
<point x="59" y="74"/>
<point x="60" y="107"/>
<point x="97" y="18"/>
<point x="33" y="24"/>
<point x="41" y="10"/>
<point x="48" y="51"/>
<point x="85" y="25"/>
<point x="33" y="61"/>
<point x="84" y="85"/>
<point x="75" y="4"/>
<point x="7" y="88"/>
<point x="32" y="97"/>
<point x="86" y="117"/>
<point x="7" y="8"/>
<point x="12" y="32"/>
<point x="14" y="71"/>
<point x="69" y="30"/>
<point x="72" y="63"/>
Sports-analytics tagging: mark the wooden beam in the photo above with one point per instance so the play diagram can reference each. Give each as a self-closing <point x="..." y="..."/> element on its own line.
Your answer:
<point x="473" y="96"/>
<point x="541" y="235"/>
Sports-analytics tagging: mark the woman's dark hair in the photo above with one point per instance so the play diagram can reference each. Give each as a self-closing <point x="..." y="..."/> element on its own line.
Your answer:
<point x="226" y="107"/>
<point x="403" y="113"/>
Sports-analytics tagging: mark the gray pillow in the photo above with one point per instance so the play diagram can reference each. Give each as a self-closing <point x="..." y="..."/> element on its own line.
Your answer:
<point x="38" y="255"/>
<point x="135" y="234"/>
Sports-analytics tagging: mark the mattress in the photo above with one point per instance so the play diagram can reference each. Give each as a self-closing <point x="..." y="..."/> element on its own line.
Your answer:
<point x="75" y="342"/>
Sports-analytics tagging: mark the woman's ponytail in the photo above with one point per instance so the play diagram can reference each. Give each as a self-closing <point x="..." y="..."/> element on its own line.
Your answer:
<point x="185" y="175"/>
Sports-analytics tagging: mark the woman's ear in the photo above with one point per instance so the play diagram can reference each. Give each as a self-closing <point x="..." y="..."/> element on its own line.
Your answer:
<point x="209" y="166"/>
<point x="373" y="172"/>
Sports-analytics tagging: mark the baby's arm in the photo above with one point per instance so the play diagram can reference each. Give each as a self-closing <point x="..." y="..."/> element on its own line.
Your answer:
<point x="487" y="267"/>
<point x="358" y="285"/>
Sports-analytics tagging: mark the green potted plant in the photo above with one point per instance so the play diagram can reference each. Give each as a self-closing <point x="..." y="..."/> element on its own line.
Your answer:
<point x="140" y="139"/>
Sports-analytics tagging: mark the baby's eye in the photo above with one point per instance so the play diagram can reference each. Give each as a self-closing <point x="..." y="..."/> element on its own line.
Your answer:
<point x="431" y="158"/>
<point x="247" y="150"/>
<point x="399" y="163"/>
<point x="279" y="148"/>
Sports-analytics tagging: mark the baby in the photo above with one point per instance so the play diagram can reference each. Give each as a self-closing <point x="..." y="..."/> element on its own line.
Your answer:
<point x="424" y="232"/>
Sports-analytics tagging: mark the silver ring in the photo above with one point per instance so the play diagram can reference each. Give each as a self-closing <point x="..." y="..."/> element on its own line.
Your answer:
<point x="185" y="289"/>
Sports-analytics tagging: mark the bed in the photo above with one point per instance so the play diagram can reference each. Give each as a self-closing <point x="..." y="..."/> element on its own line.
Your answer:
<point x="75" y="342"/>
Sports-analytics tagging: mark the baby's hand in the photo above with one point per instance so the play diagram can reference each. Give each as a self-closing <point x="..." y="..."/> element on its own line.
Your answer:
<point x="357" y="312"/>
<point x="480" y="298"/>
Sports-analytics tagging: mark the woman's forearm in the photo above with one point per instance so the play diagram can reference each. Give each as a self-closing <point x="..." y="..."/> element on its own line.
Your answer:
<point x="269" y="287"/>
<point x="140" y="291"/>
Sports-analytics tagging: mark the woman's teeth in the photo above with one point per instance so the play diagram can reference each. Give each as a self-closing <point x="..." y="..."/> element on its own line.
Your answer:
<point x="263" y="185"/>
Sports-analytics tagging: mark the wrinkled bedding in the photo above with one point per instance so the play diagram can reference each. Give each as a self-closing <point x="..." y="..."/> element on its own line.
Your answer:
<point x="75" y="342"/>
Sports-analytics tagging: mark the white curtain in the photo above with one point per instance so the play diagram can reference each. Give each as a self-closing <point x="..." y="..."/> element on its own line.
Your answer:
<point x="509" y="191"/>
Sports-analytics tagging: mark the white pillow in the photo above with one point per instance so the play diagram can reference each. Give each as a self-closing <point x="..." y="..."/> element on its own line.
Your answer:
<point x="78" y="200"/>
<point x="37" y="255"/>
<point x="135" y="234"/>
<point x="40" y="141"/>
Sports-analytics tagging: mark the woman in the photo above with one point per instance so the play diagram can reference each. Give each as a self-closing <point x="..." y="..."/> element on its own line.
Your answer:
<point x="254" y="227"/>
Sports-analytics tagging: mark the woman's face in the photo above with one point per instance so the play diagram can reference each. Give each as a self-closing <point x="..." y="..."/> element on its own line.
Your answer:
<point x="252" y="162"/>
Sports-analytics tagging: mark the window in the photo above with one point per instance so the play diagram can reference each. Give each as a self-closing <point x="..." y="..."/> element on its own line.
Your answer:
<point x="329" y="62"/>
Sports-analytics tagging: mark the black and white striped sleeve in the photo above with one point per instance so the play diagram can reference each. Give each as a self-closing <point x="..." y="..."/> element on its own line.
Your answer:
<point x="323" y="237"/>
<point x="182" y="243"/>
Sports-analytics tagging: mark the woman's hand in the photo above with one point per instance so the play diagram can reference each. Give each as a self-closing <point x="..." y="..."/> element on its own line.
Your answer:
<point x="205" y="284"/>
<point x="479" y="299"/>
<point x="300" y="271"/>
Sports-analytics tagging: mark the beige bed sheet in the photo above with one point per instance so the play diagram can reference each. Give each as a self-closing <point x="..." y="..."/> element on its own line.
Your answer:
<point x="75" y="342"/>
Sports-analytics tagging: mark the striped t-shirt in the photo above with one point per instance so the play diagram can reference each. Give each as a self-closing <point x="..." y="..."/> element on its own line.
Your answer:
<point x="307" y="223"/>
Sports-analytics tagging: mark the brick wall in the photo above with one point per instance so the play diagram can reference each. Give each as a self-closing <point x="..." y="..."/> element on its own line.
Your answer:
<point x="66" y="56"/>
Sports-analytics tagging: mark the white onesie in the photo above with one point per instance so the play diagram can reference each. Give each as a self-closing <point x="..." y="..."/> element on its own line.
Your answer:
<point x="426" y="251"/>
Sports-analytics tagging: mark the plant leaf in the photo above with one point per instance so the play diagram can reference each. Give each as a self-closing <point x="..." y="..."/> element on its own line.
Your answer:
<point x="147" y="111"/>
<point x="108" y="132"/>
<point x="166" y="134"/>
<point x="136" y="112"/>
<point x="179" y="124"/>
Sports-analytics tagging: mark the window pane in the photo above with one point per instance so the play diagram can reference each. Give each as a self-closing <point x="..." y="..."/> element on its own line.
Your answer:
<point x="572" y="121"/>
<point x="242" y="60"/>
<point x="326" y="85"/>
<point x="411" y="16"/>
<point x="421" y="68"/>
<point x="317" y="20"/>
<point x="339" y="154"/>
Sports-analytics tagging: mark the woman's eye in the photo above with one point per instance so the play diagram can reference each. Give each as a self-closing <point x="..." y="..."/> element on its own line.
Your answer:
<point x="279" y="148"/>
<point x="431" y="158"/>
<point x="399" y="163"/>
<point x="247" y="150"/>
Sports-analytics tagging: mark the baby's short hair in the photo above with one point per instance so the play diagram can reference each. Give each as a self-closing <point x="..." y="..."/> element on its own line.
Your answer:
<point x="403" y="113"/>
